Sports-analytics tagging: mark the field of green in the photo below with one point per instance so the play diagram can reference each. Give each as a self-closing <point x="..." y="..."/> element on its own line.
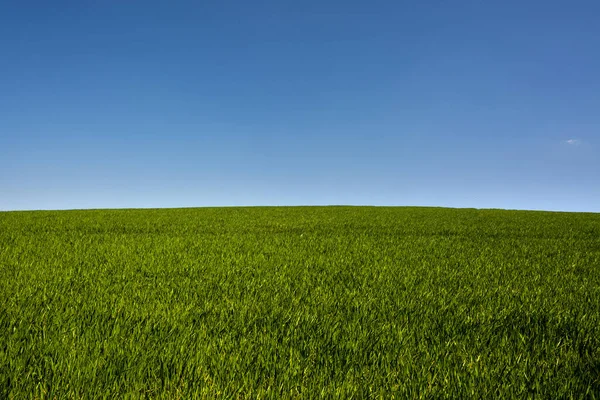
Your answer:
<point x="299" y="302"/>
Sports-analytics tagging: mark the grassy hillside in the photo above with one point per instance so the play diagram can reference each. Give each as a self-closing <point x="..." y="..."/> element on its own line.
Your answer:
<point x="299" y="302"/>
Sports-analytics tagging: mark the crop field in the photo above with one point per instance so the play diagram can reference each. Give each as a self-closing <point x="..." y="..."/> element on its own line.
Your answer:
<point x="299" y="302"/>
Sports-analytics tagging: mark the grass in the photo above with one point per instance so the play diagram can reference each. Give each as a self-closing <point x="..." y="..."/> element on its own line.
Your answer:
<point x="299" y="302"/>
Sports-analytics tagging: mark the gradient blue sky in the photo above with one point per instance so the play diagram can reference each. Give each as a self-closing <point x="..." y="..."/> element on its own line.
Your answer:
<point x="488" y="104"/>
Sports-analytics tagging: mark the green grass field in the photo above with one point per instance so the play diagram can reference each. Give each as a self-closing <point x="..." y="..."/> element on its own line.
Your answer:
<point x="299" y="302"/>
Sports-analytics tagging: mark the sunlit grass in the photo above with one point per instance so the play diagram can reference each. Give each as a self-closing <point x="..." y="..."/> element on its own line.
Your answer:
<point x="301" y="302"/>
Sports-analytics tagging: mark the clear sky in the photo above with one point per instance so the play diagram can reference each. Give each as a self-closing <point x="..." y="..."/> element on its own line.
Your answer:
<point x="482" y="103"/>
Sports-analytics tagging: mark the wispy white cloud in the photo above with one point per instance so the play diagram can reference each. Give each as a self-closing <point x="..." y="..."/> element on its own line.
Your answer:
<point x="573" y="142"/>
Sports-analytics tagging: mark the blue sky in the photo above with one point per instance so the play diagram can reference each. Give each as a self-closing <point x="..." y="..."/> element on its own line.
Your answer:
<point x="118" y="104"/>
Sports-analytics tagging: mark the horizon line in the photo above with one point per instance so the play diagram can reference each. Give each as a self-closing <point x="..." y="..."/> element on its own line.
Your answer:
<point x="292" y="206"/>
